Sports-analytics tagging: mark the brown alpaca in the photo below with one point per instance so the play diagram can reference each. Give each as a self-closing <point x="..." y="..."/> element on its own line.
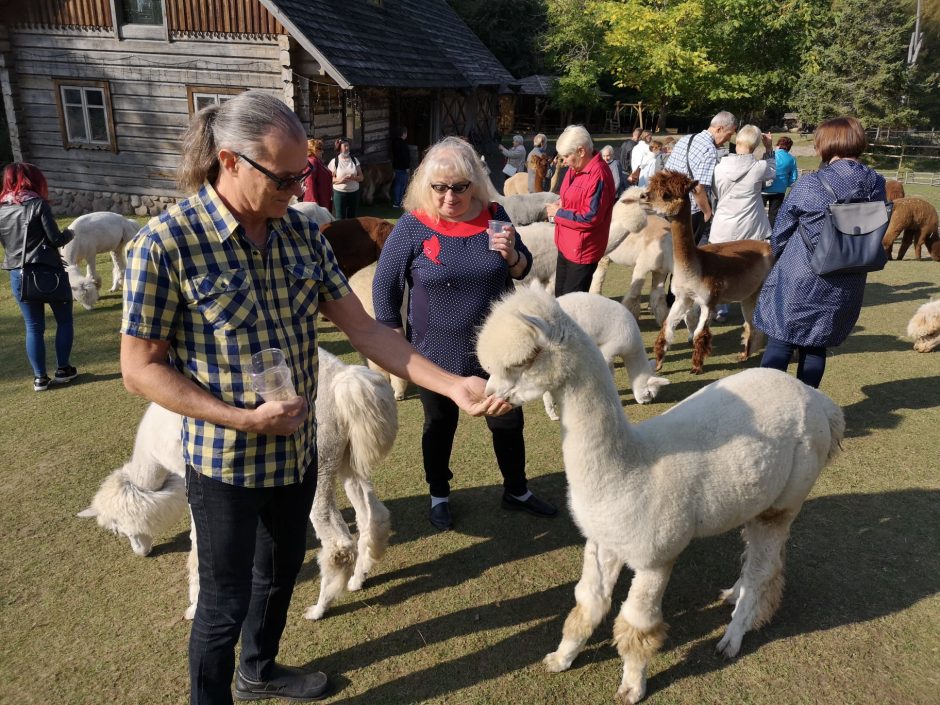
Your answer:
<point x="519" y="183"/>
<point x="356" y="242"/>
<point x="894" y="189"/>
<point x="917" y="220"/>
<point x="705" y="276"/>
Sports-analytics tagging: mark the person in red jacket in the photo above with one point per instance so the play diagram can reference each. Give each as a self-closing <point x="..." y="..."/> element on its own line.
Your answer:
<point x="582" y="218"/>
<point x="318" y="186"/>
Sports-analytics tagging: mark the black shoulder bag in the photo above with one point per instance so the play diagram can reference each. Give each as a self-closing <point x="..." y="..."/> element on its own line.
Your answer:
<point x="43" y="284"/>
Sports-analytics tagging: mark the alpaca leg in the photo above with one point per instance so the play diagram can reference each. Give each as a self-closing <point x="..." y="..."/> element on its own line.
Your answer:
<point x="338" y="551"/>
<point x="639" y="630"/>
<point x="592" y="603"/>
<point x="679" y="309"/>
<point x="701" y="340"/>
<point x="631" y="299"/>
<point x="92" y="272"/>
<point x="373" y="521"/>
<point x="192" y="562"/>
<point x="906" y="241"/>
<point x="758" y="591"/>
<point x="751" y="338"/>
<point x="118" y="265"/>
<point x="658" y="306"/>
<point x="600" y="274"/>
<point x="548" y="402"/>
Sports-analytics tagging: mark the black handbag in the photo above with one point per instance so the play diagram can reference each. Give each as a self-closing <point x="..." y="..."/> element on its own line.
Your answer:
<point x="851" y="235"/>
<point x="43" y="284"/>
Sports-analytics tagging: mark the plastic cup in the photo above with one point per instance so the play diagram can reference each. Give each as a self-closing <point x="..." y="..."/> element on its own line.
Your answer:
<point x="494" y="227"/>
<point x="270" y="375"/>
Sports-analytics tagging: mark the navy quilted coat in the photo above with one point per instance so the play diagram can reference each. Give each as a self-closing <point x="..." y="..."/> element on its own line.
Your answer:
<point x="796" y="305"/>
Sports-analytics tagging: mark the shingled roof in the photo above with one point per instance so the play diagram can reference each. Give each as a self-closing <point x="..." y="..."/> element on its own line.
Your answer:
<point x="391" y="43"/>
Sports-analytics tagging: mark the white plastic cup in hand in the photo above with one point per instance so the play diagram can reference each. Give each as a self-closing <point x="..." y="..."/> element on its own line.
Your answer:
<point x="270" y="375"/>
<point x="495" y="227"/>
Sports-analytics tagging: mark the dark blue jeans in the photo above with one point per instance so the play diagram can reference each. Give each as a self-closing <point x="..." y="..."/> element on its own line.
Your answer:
<point x="811" y="365"/>
<point x="399" y="184"/>
<point x="251" y="544"/>
<point x="571" y="276"/>
<point x="34" y="316"/>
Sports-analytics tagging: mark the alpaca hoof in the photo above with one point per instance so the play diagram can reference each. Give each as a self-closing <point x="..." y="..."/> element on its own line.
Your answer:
<point x="629" y="696"/>
<point x="729" y="646"/>
<point x="190" y="613"/>
<point x="728" y="596"/>
<point x="553" y="415"/>
<point x="555" y="663"/>
<point x="742" y="357"/>
<point x="697" y="370"/>
<point x="355" y="583"/>
<point x="659" y="365"/>
<point x="315" y="612"/>
<point x="399" y="396"/>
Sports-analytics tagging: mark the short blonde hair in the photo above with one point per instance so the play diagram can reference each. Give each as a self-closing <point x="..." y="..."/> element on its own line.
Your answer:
<point x="748" y="138"/>
<point x="454" y="159"/>
<point x="314" y="147"/>
<point x="573" y="137"/>
<point x="540" y="140"/>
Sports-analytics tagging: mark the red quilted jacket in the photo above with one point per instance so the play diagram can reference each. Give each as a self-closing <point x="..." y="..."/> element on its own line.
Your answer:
<point x="582" y="223"/>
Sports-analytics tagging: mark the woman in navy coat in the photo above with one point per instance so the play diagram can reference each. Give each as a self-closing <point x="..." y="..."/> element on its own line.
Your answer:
<point x="799" y="309"/>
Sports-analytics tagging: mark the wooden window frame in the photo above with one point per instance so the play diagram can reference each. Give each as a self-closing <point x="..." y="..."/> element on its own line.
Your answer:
<point x="192" y="90"/>
<point x="105" y="88"/>
<point x="126" y="30"/>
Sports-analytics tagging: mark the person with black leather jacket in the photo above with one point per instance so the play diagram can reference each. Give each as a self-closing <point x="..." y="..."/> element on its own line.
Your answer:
<point x="29" y="234"/>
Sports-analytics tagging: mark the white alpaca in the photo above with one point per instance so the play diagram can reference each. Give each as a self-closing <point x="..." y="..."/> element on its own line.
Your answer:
<point x="647" y="249"/>
<point x="640" y="493"/>
<point x="615" y="331"/>
<point x="526" y="208"/>
<point x="924" y="327"/>
<point x="357" y="424"/>
<point x="361" y="284"/>
<point x="317" y="213"/>
<point x="102" y="231"/>
<point x="84" y="289"/>
<point x="540" y="239"/>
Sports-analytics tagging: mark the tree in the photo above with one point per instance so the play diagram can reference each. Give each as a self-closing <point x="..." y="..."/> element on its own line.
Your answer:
<point x="858" y="65"/>
<point x="511" y="29"/>
<point x="573" y="43"/>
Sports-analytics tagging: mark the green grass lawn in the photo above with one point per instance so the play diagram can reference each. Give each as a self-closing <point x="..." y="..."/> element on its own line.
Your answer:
<point x="466" y="616"/>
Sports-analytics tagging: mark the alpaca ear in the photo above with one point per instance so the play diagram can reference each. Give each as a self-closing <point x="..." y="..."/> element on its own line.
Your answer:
<point x="692" y="185"/>
<point x="542" y="328"/>
<point x="88" y="513"/>
<point x="657" y="382"/>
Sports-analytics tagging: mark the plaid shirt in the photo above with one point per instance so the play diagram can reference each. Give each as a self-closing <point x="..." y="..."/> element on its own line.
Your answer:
<point x="701" y="160"/>
<point x="194" y="279"/>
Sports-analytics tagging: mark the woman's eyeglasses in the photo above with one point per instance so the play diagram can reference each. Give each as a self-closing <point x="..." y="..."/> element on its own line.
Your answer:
<point x="456" y="188"/>
<point x="282" y="184"/>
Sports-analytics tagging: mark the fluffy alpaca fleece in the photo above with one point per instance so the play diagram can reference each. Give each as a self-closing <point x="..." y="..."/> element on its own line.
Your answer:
<point x="916" y="220"/>
<point x="640" y="493"/>
<point x="102" y="231"/>
<point x="924" y="327"/>
<point x="894" y="189"/>
<point x="377" y="182"/>
<point x="84" y="289"/>
<point x="615" y="331"/>
<point x="519" y="183"/>
<point x="357" y="424"/>
<point x="526" y="208"/>
<point x="647" y="249"/>
<point x="356" y="242"/>
<point x="317" y="213"/>
<point x="540" y="239"/>
<point x="361" y="284"/>
<point x="726" y="272"/>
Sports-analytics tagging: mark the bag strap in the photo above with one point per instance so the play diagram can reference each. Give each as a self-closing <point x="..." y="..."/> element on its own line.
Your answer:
<point x="825" y="184"/>
<point x="23" y="254"/>
<point x="688" y="151"/>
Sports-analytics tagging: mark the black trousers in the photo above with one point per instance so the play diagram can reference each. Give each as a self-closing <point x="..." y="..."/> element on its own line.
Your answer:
<point x="570" y="276"/>
<point x="700" y="228"/>
<point x="437" y="441"/>
<point x="773" y="202"/>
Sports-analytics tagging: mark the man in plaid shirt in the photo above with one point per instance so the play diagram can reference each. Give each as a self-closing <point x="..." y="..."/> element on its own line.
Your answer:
<point x="696" y="156"/>
<point x="219" y="276"/>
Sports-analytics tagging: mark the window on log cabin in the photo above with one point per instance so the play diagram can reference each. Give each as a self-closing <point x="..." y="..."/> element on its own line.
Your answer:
<point x="204" y="96"/>
<point x="85" y="114"/>
<point x="142" y="11"/>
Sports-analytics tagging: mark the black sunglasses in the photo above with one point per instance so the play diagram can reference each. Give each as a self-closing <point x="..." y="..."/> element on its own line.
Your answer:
<point x="456" y="188"/>
<point x="282" y="184"/>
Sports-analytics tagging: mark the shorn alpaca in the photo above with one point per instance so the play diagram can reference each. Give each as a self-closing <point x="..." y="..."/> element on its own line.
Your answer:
<point x="526" y="208"/>
<point x="705" y="276"/>
<point x="357" y="424"/>
<point x="615" y="331"/>
<point x="924" y="327"/>
<point x="639" y="494"/>
<point x="648" y="250"/>
<point x="101" y="231"/>
<point x="915" y="220"/>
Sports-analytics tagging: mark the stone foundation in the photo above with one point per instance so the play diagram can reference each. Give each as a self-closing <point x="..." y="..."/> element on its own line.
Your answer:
<point x="67" y="202"/>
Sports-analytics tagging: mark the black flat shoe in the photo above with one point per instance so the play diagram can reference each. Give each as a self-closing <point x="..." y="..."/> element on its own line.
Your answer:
<point x="286" y="682"/>
<point x="533" y="505"/>
<point x="440" y="516"/>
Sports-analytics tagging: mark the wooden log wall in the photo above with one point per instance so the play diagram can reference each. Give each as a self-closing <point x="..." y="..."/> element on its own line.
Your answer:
<point x="93" y="14"/>
<point x="148" y="85"/>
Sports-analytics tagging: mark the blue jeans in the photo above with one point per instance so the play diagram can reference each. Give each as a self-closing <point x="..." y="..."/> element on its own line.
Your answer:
<point x="811" y="365"/>
<point x="34" y="315"/>
<point x="399" y="184"/>
<point x="251" y="544"/>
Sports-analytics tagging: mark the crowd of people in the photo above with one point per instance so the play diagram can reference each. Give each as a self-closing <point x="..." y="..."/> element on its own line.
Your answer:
<point x="231" y="269"/>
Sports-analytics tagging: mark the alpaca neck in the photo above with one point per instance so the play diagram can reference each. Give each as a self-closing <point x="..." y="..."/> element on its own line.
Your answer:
<point x="683" y="239"/>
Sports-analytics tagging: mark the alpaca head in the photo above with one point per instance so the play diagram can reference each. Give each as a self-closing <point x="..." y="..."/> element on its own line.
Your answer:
<point x="141" y="543"/>
<point x="84" y="289"/>
<point x="518" y="346"/>
<point x="646" y="386"/>
<point x="379" y="232"/>
<point x="668" y="192"/>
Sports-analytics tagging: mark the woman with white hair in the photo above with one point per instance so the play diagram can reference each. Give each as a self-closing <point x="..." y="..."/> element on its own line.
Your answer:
<point x="442" y="251"/>
<point x="515" y="155"/>
<point x="539" y="143"/>
<point x="739" y="180"/>
<point x="582" y="217"/>
<point x="616" y="170"/>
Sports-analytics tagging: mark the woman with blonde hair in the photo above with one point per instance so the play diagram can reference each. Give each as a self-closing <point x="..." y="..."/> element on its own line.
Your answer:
<point x="441" y="250"/>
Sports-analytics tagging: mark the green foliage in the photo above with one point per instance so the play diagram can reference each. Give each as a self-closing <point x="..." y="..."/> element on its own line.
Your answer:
<point x="858" y="65"/>
<point x="573" y="45"/>
<point x="511" y="29"/>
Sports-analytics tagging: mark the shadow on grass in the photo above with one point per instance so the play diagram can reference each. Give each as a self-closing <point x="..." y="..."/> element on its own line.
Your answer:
<point x="851" y="558"/>
<point x="877" y="293"/>
<point x="878" y="409"/>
